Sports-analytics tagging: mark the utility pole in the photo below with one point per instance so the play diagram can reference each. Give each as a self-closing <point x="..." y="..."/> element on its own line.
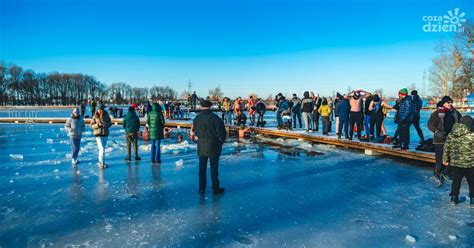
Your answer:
<point x="189" y="86"/>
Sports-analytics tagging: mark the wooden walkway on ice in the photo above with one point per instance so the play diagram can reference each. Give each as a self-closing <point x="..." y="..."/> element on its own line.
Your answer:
<point x="368" y="148"/>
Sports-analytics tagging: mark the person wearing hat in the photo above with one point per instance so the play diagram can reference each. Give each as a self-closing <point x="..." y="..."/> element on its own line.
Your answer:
<point x="211" y="134"/>
<point x="458" y="153"/>
<point x="441" y="123"/>
<point x="356" y="115"/>
<point x="156" y="124"/>
<point x="418" y="104"/>
<point x="405" y="119"/>
<point x="131" y="123"/>
<point x="74" y="127"/>
<point x="100" y="124"/>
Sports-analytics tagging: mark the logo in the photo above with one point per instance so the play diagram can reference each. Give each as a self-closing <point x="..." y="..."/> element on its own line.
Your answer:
<point x="450" y="23"/>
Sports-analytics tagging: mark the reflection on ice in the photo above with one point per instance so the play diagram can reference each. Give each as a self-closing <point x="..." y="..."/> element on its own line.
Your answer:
<point x="277" y="195"/>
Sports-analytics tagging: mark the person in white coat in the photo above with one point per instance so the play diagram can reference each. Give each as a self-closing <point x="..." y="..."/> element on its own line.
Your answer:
<point x="74" y="127"/>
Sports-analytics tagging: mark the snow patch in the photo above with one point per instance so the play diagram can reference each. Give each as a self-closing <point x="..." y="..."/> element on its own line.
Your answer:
<point x="16" y="156"/>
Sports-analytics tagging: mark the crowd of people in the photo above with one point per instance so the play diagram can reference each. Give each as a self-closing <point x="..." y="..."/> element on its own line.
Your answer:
<point x="358" y="114"/>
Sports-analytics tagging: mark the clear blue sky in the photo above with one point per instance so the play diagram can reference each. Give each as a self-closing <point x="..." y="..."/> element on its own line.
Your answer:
<point x="247" y="46"/>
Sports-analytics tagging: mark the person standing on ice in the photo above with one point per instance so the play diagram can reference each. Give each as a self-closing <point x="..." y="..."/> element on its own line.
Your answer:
<point x="296" y="110"/>
<point x="307" y="106"/>
<point x="156" y="124"/>
<point x="356" y="115"/>
<point x="100" y="124"/>
<point x="406" y="112"/>
<point x="131" y="123"/>
<point x="74" y="127"/>
<point x="458" y="153"/>
<point x="251" y="110"/>
<point x="343" y="108"/>
<point x="418" y="103"/>
<point x="441" y="123"/>
<point x="325" y="111"/>
<point x="210" y="132"/>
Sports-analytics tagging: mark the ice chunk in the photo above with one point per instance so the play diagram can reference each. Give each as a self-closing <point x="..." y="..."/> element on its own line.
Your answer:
<point x="16" y="156"/>
<point x="410" y="238"/>
<point x="49" y="141"/>
<point x="453" y="237"/>
<point x="179" y="163"/>
<point x="56" y="171"/>
<point x="146" y="148"/>
<point x="109" y="150"/>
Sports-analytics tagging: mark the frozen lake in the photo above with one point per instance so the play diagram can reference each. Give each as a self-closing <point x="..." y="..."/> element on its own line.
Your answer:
<point x="274" y="197"/>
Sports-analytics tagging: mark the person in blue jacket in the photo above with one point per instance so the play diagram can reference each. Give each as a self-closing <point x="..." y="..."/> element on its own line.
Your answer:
<point x="343" y="110"/>
<point x="406" y="113"/>
<point x="282" y="106"/>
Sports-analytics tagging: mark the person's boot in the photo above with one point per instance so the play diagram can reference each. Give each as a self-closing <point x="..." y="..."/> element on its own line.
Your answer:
<point x="137" y="158"/>
<point x="127" y="159"/>
<point x="455" y="200"/>
<point x="218" y="191"/>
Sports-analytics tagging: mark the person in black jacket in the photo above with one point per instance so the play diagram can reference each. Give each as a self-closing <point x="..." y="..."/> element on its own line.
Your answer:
<point x="441" y="124"/>
<point x="307" y="106"/>
<point x="211" y="135"/>
<point x="418" y="104"/>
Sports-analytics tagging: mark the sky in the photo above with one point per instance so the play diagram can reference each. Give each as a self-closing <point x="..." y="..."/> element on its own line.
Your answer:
<point x="243" y="46"/>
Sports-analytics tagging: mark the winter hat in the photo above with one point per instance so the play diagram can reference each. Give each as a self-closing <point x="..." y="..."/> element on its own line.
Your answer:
<point x="376" y="98"/>
<point x="356" y="95"/>
<point x="466" y="120"/>
<point x="206" y="104"/>
<point x="403" y="91"/>
<point x="134" y="105"/>
<point x="75" y="111"/>
<point x="446" y="99"/>
<point x="102" y="106"/>
<point x="414" y="93"/>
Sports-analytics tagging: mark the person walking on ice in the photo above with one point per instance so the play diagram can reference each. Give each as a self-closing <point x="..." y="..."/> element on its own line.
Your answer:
<point x="100" y="124"/>
<point x="74" y="127"/>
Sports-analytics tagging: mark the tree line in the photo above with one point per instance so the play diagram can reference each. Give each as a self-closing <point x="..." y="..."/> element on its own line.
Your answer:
<point x="452" y="72"/>
<point x="20" y="86"/>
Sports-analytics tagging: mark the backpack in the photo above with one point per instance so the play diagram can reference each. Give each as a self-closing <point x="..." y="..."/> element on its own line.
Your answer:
<point x="426" y="146"/>
<point x="387" y="140"/>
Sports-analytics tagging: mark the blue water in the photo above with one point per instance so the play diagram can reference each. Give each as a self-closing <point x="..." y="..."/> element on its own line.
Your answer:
<point x="275" y="197"/>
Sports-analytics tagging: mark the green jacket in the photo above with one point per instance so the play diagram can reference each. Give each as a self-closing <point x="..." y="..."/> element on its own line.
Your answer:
<point x="131" y="122"/>
<point x="156" y="122"/>
<point x="459" y="147"/>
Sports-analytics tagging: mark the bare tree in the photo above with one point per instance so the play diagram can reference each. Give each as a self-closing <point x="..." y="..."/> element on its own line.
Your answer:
<point x="216" y="94"/>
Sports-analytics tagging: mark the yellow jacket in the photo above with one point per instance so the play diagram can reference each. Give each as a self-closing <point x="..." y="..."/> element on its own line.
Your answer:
<point x="324" y="110"/>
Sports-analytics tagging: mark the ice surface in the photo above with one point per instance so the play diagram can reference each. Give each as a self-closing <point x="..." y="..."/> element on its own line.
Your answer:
<point x="276" y="196"/>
